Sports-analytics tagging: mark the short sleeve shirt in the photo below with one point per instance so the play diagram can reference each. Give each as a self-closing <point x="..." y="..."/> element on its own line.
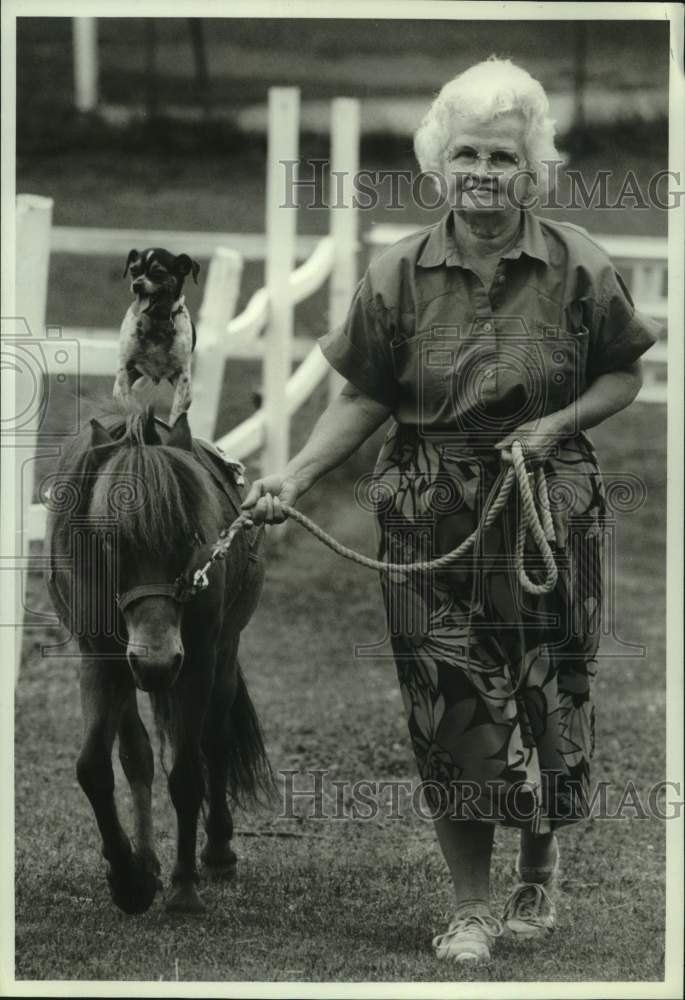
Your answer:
<point x="424" y="337"/>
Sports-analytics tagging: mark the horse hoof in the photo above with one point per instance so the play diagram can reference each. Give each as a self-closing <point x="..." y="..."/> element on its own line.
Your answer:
<point x="133" y="886"/>
<point x="219" y="862"/>
<point x="185" y="900"/>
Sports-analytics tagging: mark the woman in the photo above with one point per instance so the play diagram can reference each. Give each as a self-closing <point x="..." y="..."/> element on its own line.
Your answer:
<point x="491" y="326"/>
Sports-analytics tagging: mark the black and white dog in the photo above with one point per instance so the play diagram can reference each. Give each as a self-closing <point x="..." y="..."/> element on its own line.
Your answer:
<point x="157" y="334"/>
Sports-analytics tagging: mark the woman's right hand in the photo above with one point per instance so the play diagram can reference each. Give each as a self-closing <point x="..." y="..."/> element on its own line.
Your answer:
<point x="265" y="496"/>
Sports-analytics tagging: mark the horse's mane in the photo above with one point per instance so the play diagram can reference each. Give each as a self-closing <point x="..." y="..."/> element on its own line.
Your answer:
<point x="156" y="492"/>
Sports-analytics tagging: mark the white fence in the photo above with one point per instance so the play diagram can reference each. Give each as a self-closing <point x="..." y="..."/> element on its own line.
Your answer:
<point x="221" y="335"/>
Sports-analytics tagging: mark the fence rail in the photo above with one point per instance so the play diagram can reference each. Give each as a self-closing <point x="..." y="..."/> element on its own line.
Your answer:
<point x="92" y="241"/>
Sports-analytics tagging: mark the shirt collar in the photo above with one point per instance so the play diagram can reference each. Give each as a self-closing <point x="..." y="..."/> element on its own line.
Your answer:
<point x="441" y="247"/>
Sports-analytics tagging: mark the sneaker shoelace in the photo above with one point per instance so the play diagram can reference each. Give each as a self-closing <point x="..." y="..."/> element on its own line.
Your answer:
<point x="488" y="924"/>
<point x="528" y="902"/>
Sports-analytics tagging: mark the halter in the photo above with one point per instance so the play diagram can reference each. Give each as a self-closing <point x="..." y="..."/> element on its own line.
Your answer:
<point x="187" y="584"/>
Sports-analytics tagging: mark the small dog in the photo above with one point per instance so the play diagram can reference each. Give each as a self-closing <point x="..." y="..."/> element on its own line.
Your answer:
<point x="157" y="335"/>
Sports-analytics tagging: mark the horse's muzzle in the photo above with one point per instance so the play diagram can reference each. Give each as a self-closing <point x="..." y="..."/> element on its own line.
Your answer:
<point x="153" y="673"/>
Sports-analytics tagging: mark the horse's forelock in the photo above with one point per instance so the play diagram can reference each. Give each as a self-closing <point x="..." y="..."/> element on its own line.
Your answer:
<point x="156" y="494"/>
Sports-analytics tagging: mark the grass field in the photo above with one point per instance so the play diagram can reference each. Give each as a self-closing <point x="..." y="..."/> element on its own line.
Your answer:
<point x="340" y="898"/>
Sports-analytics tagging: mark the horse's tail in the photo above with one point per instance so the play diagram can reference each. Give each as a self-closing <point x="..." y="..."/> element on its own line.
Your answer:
<point x="250" y="777"/>
<point x="249" y="774"/>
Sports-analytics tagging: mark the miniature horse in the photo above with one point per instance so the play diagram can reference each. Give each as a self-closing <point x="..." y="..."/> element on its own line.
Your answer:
<point x="135" y="508"/>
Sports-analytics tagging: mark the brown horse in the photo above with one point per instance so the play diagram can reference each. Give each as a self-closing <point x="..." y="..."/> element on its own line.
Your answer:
<point x="134" y="510"/>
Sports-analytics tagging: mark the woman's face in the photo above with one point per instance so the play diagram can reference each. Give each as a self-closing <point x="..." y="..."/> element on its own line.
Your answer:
<point x="483" y="165"/>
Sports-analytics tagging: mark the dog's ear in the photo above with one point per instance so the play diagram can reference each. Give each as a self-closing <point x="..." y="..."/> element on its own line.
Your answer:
<point x="180" y="436"/>
<point x="99" y="435"/>
<point x="186" y="264"/>
<point x="132" y="255"/>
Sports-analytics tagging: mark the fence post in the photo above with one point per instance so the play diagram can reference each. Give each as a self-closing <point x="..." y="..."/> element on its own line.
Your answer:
<point x="343" y="214"/>
<point x="34" y="221"/>
<point x="218" y="306"/>
<point x="33" y="224"/>
<point x="281" y="228"/>
<point x="85" y="42"/>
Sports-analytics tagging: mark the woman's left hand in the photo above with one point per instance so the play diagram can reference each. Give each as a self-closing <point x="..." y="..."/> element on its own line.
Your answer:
<point x="538" y="438"/>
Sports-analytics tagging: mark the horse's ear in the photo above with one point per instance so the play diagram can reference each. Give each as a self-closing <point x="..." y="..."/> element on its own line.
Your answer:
<point x="180" y="436"/>
<point x="99" y="435"/>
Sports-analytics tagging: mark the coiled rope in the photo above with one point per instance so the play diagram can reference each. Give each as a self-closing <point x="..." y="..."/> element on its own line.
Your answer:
<point x="539" y="524"/>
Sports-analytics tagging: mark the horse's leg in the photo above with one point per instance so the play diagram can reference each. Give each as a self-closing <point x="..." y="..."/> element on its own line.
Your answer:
<point x="137" y="760"/>
<point x="104" y="690"/>
<point x="186" y="785"/>
<point x="217" y="855"/>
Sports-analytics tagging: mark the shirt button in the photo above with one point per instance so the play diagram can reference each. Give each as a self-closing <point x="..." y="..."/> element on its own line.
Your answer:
<point x="487" y="327"/>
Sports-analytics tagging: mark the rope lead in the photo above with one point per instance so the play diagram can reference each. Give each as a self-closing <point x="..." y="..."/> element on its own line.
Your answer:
<point x="540" y="526"/>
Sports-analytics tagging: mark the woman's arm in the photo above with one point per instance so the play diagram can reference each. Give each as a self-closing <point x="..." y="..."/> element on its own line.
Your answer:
<point x="344" y="425"/>
<point x="607" y="395"/>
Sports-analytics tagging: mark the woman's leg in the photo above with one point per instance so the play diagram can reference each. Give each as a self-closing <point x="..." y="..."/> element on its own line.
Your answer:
<point x="537" y="852"/>
<point x="538" y="856"/>
<point x="467" y="848"/>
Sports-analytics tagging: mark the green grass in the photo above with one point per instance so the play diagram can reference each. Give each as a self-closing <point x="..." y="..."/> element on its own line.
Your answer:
<point x="343" y="899"/>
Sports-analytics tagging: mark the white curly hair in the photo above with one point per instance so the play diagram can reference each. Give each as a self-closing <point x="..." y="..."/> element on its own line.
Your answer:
<point x="478" y="96"/>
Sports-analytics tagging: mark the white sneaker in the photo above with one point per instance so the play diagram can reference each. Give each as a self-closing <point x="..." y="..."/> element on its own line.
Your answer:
<point x="468" y="937"/>
<point x="529" y="913"/>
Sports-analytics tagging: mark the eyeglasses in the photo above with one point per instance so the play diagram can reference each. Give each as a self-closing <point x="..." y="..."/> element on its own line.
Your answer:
<point x="468" y="158"/>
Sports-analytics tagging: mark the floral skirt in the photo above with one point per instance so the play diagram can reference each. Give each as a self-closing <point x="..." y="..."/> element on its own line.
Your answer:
<point x="496" y="682"/>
